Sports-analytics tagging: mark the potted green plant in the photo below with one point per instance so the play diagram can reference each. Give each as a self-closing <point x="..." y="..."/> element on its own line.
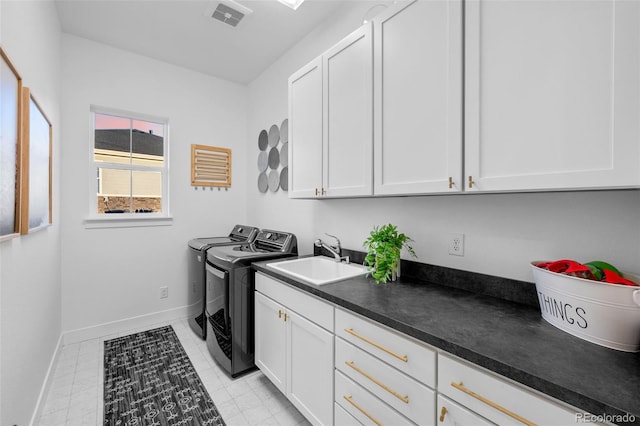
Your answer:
<point x="384" y="245"/>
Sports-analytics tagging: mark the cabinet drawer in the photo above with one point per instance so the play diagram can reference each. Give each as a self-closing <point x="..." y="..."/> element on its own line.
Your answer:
<point x="304" y="304"/>
<point x="402" y="352"/>
<point x="499" y="400"/>
<point x="342" y="418"/>
<point x="408" y="396"/>
<point x="452" y="414"/>
<point x="363" y="406"/>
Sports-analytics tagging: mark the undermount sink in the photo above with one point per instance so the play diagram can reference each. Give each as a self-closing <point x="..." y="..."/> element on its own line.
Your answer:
<point x="319" y="270"/>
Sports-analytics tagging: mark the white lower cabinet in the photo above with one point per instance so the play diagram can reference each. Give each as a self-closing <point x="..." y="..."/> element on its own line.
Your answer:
<point x="409" y="356"/>
<point x="406" y="395"/>
<point x="392" y="369"/>
<point x="294" y="351"/>
<point x="337" y="367"/>
<point x="309" y="382"/>
<point x="270" y="340"/>
<point x="497" y="399"/>
<point x="363" y="406"/>
<point x="452" y="414"/>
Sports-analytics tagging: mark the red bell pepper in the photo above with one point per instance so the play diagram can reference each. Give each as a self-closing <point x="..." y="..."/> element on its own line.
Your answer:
<point x="612" y="277"/>
<point x="565" y="266"/>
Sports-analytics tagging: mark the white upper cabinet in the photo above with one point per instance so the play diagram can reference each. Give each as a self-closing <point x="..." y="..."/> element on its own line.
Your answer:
<point x="418" y="98"/>
<point x="305" y="131"/>
<point x="552" y="95"/>
<point x="549" y="99"/>
<point x="331" y="119"/>
<point x="348" y="108"/>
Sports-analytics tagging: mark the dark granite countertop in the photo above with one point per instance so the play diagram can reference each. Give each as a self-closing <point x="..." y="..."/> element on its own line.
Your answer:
<point x="505" y="337"/>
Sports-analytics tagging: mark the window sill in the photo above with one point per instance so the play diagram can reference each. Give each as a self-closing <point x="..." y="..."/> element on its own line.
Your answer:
<point x="126" y="221"/>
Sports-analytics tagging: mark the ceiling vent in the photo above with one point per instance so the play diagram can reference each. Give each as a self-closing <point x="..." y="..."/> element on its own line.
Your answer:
<point x="228" y="11"/>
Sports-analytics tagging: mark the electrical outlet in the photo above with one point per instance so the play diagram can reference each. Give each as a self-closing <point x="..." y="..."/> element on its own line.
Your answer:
<point x="164" y="292"/>
<point x="456" y="244"/>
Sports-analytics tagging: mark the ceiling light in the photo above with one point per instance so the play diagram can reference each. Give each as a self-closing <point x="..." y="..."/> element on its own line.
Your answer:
<point x="293" y="4"/>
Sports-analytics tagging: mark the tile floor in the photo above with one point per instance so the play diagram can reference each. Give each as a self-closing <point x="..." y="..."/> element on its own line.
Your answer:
<point x="76" y="393"/>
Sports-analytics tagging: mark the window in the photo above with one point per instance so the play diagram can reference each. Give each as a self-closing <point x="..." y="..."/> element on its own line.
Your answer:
<point x="130" y="159"/>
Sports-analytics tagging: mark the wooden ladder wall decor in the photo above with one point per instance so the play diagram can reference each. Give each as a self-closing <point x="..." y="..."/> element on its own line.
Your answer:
<point x="210" y="166"/>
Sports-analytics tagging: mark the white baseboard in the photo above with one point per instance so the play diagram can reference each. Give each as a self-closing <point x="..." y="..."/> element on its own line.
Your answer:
<point x="48" y="378"/>
<point x="122" y="326"/>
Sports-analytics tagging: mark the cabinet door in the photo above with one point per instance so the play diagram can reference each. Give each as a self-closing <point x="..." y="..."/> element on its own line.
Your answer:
<point x="310" y="377"/>
<point x="270" y="340"/>
<point x="552" y="94"/>
<point x="348" y="108"/>
<point x="418" y="98"/>
<point x="305" y="131"/>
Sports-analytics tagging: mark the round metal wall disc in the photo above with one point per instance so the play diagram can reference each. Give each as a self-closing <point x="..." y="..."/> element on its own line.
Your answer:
<point x="263" y="161"/>
<point x="274" y="180"/>
<point x="284" y="154"/>
<point x="274" y="136"/>
<point x="284" y="179"/>
<point x="274" y="158"/>
<point x="263" y="140"/>
<point x="263" y="182"/>
<point x="284" y="131"/>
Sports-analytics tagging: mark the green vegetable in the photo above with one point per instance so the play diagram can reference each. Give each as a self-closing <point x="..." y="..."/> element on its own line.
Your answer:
<point x="603" y="265"/>
<point x="596" y="272"/>
<point x="383" y="251"/>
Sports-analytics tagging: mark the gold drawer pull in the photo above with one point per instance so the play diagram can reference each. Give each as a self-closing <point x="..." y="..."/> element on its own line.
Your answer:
<point x="362" y="410"/>
<point x="443" y="413"/>
<point x="402" y="398"/>
<point x="490" y="403"/>
<point x="403" y="358"/>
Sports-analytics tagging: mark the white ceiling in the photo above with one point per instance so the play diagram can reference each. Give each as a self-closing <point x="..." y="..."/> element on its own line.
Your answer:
<point x="181" y="32"/>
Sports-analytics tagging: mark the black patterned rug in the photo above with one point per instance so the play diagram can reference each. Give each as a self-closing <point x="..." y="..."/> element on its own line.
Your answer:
<point x="149" y="380"/>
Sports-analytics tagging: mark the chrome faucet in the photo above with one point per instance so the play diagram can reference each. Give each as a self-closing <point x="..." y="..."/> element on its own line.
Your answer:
<point x="336" y="250"/>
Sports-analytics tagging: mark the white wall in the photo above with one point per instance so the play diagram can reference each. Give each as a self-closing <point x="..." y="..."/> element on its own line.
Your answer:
<point x="30" y="314"/>
<point x="503" y="232"/>
<point x="114" y="274"/>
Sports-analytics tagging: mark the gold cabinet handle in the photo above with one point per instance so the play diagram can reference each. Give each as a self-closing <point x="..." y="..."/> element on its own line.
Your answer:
<point x="362" y="410"/>
<point x="279" y="313"/>
<point x="450" y="182"/>
<point x="471" y="182"/>
<point x="322" y="191"/>
<point x="316" y="192"/>
<point x="492" y="404"/>
<point x="403" y="398"/>
<point x="403" y="358"/>
<point x="443" y="413"/>
<point x="285" y="317"/>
